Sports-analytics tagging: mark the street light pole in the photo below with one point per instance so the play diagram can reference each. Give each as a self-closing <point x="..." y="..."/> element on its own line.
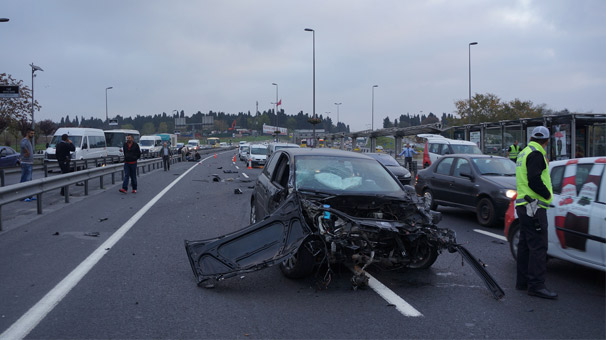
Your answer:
<point x="373" y="108"/>
<point x="469" y="109"/>
<point x="34" y="69"/>
<point x="276" y="109"/>
<point x="314" y="81"/>
<point x="106" y="115"/>
<point x="338" y="104"/>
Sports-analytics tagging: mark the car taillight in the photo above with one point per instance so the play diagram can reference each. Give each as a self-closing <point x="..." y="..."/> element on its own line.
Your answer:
<point x="510" y="213"/>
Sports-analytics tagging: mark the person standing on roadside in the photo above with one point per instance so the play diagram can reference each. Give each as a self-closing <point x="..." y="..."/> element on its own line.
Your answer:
<point x="132" y="153"/>
<point x="513" y="151"/>
<point x="408" y="153"/>
<point x="26" y="158"/>
<point x="535" y="193"/>
<point x="166" y="153"/>
<point x="62" y="152"/>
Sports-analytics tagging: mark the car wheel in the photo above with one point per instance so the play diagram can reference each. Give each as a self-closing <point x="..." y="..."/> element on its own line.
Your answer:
<point x="485" y="212"/>
<point x="253" y="212"/>
<point x="429" y="202"/>
<point x="299" y="265"/>
<point x="426" y="256"/>
<point x="514" y="239"/>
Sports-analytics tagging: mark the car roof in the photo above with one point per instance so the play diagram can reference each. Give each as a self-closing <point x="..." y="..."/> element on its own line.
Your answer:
<point x="323" y="152"/>
<point x="582" y="160"/>
<point x="473" y="155"/>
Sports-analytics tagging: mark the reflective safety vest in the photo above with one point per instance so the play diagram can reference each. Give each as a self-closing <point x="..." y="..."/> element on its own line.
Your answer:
<point x="522" y="177"/>
<point x="514" y="150"/>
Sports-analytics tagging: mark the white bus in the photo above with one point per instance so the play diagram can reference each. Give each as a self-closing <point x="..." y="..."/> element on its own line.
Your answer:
<point x="115" y="139"/>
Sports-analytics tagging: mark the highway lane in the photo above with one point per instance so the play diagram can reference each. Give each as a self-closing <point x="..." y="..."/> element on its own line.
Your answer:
<point x="144" y="287"/>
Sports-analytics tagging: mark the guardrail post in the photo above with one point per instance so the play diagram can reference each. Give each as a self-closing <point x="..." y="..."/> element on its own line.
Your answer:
<point x="45" y="169"/>
<point x="2" y="179"/>
<point x="0" y="218"/>
<point x="101" y="182"/>
<point x="66" y="193"/>
<point x="113" y="178"/>
<point x="86" y="188"/>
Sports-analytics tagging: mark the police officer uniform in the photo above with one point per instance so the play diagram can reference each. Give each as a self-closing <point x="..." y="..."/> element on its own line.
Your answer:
<point x="535" y="193"/>
<point x="514" y="150"/>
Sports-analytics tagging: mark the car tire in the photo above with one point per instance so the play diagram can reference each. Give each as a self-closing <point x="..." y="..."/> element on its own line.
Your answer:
<point x="514" y="239"/>
<point x="253" y="212"/>
<point x="299" y="265"/>
<point x="430" y="255"/>
<point x="485" y="212"/>
<point x="429" y="201"/>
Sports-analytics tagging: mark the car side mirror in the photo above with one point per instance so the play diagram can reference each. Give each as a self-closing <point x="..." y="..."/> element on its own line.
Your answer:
<point x="466" y="174"/>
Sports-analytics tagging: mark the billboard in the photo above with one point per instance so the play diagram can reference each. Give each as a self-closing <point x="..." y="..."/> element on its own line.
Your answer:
<point x="9" y="91"/>
<point x="270" y="130"/>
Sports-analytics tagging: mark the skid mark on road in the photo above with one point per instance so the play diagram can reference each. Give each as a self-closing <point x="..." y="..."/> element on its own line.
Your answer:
<point x="22" y="327"/>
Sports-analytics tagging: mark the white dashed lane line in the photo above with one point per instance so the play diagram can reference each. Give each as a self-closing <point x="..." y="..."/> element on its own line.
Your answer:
<point x="487" y="233"/>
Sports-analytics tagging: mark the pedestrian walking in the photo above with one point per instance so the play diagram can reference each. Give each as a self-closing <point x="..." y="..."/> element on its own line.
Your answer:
<point x="62" y="152"/>
<point x="513" y="151"/>
<point x="132" y="153"/>
<point x="535" y="193"/>
<point x="166" y="154"/>
<point x="26" y="158"/>
<point x="408" y="152"/>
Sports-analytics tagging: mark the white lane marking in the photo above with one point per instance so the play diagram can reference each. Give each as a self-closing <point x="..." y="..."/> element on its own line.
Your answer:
<point x="237" y="167"/>
<point x="26" y="323"/>
<point x="392" y="298"/>
<point x="500" y="237"/>
<point x="245" y="175"/>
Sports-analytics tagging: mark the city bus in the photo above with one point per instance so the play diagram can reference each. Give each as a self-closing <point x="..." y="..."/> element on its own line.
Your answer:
<point x="115" y="139"/>
<point x="213" y="142"/>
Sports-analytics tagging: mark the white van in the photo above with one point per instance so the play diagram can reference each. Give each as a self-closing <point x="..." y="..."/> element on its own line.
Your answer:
<point x="89" y="143"/>
<point x="115" y="139"/>
<point x="437" y="146"/>
<point x="257" y="154"/>
<point x="193" y="144"/>
<point x="150" y="145"/>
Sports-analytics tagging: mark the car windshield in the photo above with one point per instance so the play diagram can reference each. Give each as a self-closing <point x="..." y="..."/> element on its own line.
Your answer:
<point x="147" y="142"/>
<point x="343" y="175"/>
<point x="278" y="147"/>
<point x="467" y="149"/>
<point x="386" y="160"/>
<point x="258" y="150"/>
<point x="495" y="166"/>
<point x="192" y="143"/>
<point x="244" y="149"/>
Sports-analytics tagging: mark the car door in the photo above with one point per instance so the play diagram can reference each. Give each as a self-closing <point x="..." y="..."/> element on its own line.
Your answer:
<point x="277" y="188"/>
<point x="440" y="180"/>
<point x="584" y="224"/>
<point x="463" y="190"/>
<point x="261" y="192"/>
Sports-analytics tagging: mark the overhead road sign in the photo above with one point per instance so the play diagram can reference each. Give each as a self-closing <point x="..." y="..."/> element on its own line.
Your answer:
<point x="9" y="91"/>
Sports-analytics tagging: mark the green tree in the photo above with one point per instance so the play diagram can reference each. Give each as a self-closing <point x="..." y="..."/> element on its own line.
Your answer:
<point x="47" y="127"/>
<point x="15" y="109"/>
<point x="162" y="127"/>
<point x="148" y="129"/>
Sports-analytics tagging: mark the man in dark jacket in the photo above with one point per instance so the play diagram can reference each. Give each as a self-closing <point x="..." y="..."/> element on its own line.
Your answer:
<point x="132" y="153"/>
<point x="63" y="155"/>
<point x="166" y="153"/>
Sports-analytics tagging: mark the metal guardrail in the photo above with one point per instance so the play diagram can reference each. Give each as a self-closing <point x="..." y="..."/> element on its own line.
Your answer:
<point x="37" y="187"/>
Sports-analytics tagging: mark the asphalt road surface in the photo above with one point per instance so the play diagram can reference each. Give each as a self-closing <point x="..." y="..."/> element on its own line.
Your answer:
<point x="112" y="265"/>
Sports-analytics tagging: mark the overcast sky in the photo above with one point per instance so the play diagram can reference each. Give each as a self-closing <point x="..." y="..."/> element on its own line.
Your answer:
<point x="224" y="55"/>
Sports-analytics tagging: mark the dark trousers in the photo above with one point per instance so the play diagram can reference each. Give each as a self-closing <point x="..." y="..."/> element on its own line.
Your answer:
<point x="64" y="165"/>
<point x="408" y="163"/>
<point x="130" y="171"/>
<point x="532" y="249"/>
<point x="166" y="162"/>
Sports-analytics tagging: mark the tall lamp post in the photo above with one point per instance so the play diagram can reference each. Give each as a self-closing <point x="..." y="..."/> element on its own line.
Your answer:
<point x="314" y="119"/>
<point x="338" y="104"/>
<point x="277" y="130"/>
<point x="106" y="115"/>
<point x="372" y="125"/>
<point x="469" y="109"/>
<point x="34" y="69"/>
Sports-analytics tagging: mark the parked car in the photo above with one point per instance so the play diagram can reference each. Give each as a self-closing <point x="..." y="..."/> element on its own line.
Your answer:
<point x="480" y="183"/>
<point x="243" y="151"/>
<point x="8" y="157"/>
<point x="437" y="146"/>
<point x="257" y="154"/>
<point x="576" y="223"/>
<point x="312" y="209"/>
<point x="401" y="173"/>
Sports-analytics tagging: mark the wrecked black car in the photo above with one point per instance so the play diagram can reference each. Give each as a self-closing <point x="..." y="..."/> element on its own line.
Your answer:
<point x="314" y="208"/>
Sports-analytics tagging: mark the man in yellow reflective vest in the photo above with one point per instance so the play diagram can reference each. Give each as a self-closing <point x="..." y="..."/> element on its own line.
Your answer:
<point x="513" y="151"/>
<point x="534" y="197"/>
